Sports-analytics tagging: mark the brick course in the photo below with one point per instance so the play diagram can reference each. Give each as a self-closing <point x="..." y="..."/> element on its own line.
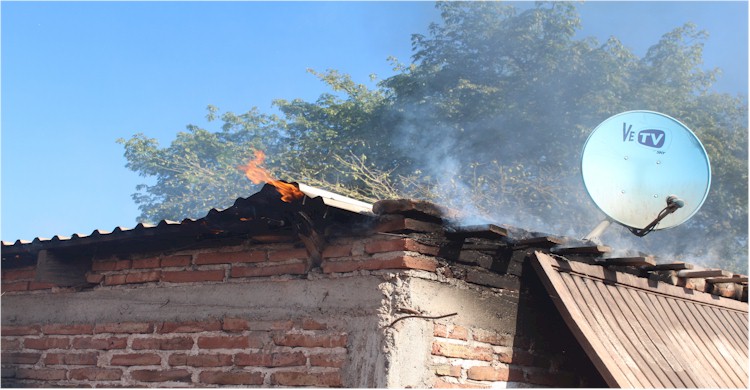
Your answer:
<point x="229" y="351"/>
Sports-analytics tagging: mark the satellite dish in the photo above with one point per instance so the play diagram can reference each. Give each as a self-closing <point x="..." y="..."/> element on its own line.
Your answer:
<point x="645" y="170"/>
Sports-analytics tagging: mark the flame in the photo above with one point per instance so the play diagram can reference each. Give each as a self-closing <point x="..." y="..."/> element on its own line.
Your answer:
<point x="257" y="174"/>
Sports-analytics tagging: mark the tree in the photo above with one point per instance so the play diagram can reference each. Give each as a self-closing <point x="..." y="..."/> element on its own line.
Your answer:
<point x="490" y="116"/>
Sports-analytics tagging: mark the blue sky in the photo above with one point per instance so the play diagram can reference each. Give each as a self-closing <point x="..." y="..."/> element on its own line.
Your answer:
<point x="77" y="76"/>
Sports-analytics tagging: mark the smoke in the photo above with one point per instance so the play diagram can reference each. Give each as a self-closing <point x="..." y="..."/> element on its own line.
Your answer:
<point x="471" y="181"/>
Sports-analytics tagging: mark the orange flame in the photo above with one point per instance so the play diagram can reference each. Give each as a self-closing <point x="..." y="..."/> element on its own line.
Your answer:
<point x="258" y="174"/>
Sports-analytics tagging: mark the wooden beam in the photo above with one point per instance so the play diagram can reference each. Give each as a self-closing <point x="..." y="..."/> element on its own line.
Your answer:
<point x="728" y="279"/>
<point x="544" y="242"/>
<point x="702" y="273"/>
<point x="489" y="231"/>
<point x="677" y="266"/>
<point x="638" y="261"/>
<point x="582" y="250"/>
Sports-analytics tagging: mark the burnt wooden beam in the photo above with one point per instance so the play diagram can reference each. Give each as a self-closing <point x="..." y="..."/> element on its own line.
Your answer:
<point x="488" y="231"/>
<point x="540" y="242"/>
<point x="413" y="208"/>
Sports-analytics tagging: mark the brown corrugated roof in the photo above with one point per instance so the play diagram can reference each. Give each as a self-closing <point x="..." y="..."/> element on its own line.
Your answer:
<point x="643" y="333"/>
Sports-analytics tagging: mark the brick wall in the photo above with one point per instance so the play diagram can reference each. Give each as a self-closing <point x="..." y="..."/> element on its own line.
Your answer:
<point x="262" y="315"/>
<point x="475" y="357"/>
<point x="226" y="351"/>
<point x="239" y="263"/>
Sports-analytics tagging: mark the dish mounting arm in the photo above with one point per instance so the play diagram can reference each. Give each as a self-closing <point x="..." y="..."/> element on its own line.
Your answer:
<point x="673" y="203"/>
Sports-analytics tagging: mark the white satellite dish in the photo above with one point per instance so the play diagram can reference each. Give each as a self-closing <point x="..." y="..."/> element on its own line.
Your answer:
<point x="645" y="170"/>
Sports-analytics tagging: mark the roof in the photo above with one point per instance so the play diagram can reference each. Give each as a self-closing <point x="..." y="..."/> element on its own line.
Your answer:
<point x="215" y="220"/>
<point x="641" y="333"/>
<point x="642" y="324"/>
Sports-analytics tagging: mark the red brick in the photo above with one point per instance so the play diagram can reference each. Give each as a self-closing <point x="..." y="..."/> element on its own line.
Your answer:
<point x="46" y="343"/>
<point x="67" y="329"/>
<point x="161" y="375"/>
<point x="328" y="360"/>
<point x="398" y="245"/>
<point x="100" y="343"/>
<point x="296" y="378"/>
<point x="264" y="359"/>
<point x="136" y="359"/>
<point x="94" y="278"/>
<point x="10" y="344"/>
<point x="112" y="280"/>
<point x="96" y="374"/>
<point x="143" y="277"/>
<point x="203" y="360"/>
<point x="19" y="274"/>
<point x="176" y="261"/>
<point x="310" y="340"/>
<point x="514" y="355"/>
<point x="398" y="262"/>
<point x="380" y="246"/>
<point x="228" y="342"/>
<point x="216" y="275"/>
<point x="486" y="336"/>
<point x="20" y="357"/>
<point x="448" y="370"/>
<point x="149" y="262"/>
<point x="231" y="378"/>
<point x="235" y="324"/>
<point x="189" y="327"/>
<point x="42" y="374"/>
<point x="20" y="330"/>
<point x="310" y="324"/>
<point x="14" y="286"/>
<point x="496" y="374"/>
<point x="281" y="269"/>
<point x="230" y="257"/>
<point x="72" y="359"/>
<point x="124" y="327"/>
<point x="461" y="351"/>
<point x="486" y="373"/>
<point x="289" y="254"/>
<point x="451" y="331"/>
<point x="170" y="344"/>
<point x="271" y="325"/>
<point x="112" y="265"/>
<point x="337" y="251"/>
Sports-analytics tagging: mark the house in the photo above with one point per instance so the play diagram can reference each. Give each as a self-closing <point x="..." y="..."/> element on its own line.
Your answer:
<point x="325" y="291"/>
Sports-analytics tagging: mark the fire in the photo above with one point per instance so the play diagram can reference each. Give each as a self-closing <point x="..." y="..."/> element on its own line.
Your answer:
<point x="257" y="174"/>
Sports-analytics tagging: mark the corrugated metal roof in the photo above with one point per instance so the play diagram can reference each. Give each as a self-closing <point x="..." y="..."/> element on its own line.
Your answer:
<point x="643" y="333"/>
<point x="328" y="198"/>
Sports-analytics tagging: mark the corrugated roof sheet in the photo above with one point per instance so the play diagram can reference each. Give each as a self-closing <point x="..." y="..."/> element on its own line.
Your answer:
<point x="643" y="333"/>
<point x="328" y="198"/>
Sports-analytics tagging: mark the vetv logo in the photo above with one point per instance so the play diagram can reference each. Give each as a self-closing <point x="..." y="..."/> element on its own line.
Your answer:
<point x="653" y="138"/>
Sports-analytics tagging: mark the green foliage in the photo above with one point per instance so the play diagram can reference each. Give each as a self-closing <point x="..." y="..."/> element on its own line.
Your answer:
<point x="490" y="116"/>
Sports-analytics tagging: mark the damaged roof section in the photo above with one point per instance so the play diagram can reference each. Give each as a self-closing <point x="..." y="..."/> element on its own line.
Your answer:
<point x="643" y="324"/>
<point x="263" y="218"/>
